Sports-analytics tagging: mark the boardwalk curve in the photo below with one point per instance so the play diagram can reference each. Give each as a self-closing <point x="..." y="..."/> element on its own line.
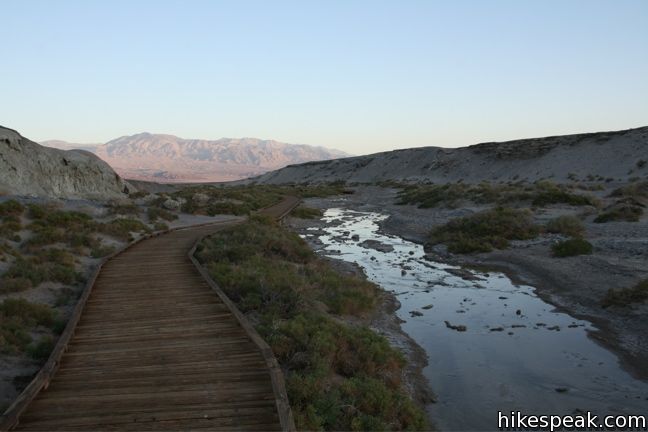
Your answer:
<point x="156" y="345"/>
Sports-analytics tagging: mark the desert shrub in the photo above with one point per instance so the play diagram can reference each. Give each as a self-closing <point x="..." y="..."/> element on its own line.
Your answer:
<point x="306" y="213"/>
<point x="450" y="195"/>
<point x="122" y="207"/>
<point x="547" y="193"/>
<point x="37" y="211"/>
<point x="6" y="251"/>
<point x="620" y="212"/>
<point x="14" y="284"/>
<point x="18" y="318"/>
<point x="316" y="348"/>
<point x="52" y="226"/>
<point x="25" y="269"/>
<point x="121" y="228"/>
<point x="241" y="200"/>
<point x="626" y="296"/>
<point x="10" y="223"/>
<point x="160" y="226"/>
<point x="11" y="208"/>
<point x="567" y="225"/>
<point x="47" y="265"/>
<point x="484" y="231"/>
<point x="155" y="213"/>
<point x="636" y="190"/>
<point x="41" y="349"/>
<point x="338" y="376"/>
<point x="9" y="230"/>
<point x="138" y="194"/>
<point x="572" y="247"/>
<point x="55" y="256"/>
<point x="430" y="196"/>
<point x="64" y="296"/>
<point x="100" y="251"/>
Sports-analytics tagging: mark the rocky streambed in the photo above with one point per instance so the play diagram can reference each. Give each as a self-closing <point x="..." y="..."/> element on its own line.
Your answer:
<point x="492" y="345"/>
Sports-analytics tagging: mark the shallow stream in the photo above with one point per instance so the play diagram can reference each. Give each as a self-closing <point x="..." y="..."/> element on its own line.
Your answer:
<point x="491" y="345"/>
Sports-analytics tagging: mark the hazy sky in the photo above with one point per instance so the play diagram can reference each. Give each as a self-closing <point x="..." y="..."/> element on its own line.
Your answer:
<point x="361" y="76"/>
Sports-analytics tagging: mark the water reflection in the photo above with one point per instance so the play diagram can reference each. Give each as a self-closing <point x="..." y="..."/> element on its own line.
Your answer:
<point x="492" y="346"/>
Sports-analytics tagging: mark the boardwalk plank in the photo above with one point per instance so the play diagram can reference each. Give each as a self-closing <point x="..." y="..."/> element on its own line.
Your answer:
<point x="156" y="348"/>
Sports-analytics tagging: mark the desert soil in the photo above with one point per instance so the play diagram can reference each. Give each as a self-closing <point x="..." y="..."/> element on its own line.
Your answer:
<point x="575" y="285"/>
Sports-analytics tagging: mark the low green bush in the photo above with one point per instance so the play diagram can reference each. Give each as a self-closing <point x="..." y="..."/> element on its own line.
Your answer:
<point x="567" y="225"/>
<point x="14" y="284"/>
<point x="620" y="212"/>
<point x="242" y="200"/>
<point x="122" y="228"/>
<point x="302" y="212"/>
<point x="52" y="226"/>
<point x="64" y="296"/>
<point x="138" y="194"/>
<point x="636" y="190"/>
<point x="11" y="208"/>
<point x="451" y="195"/>
<point x="572" y="247"/>
<point x="18" y="318"/>
<point x="155" y="213"/>
<point x="160" y="226"/>
<point x="41" y="350"/>
<point x="485" y="231"/>
<point x="122" y="207"/>
<point x="626" y="296"/>
<point x="47" y="265"/>
<point x="101" y="251"/>
<point x="338" y="376"/>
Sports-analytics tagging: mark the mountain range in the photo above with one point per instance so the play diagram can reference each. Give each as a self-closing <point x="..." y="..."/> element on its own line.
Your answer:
<point x="168" y="158"/>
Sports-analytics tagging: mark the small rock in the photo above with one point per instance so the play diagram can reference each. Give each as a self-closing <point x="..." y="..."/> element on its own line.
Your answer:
<point x="427" y="307"/>
<point x="556" y="328"/>
<point x="459" y="328"/>
<point x="502" y="298"/>
<point x="561" y="389"/>
<point x="355" y="237"/>
<point x="415" y="313"/>
<point x="497" y="329"/>
<point x="518" y="312"/>
<point x="376" y="245"/>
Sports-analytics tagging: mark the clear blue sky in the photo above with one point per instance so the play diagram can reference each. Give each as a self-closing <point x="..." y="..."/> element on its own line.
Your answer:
<point x="361" y="76"/>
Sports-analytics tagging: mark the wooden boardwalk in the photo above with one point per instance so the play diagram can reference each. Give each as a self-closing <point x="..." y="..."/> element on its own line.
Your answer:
<point x="157" y="348"/>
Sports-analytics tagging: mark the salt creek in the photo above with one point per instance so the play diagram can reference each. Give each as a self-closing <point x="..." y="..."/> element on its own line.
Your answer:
<point x="491" y="345"/>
